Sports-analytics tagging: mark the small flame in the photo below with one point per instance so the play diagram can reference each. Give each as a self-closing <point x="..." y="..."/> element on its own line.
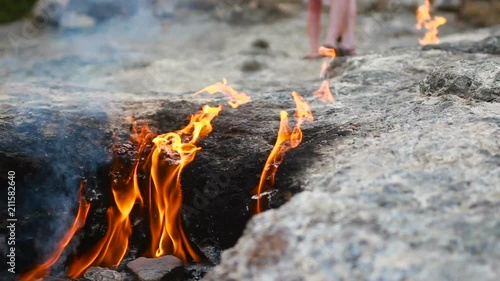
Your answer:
<point x="167" y="233"/>
<point x="327" y="52"/>
<point x="425" y="20"/>
<point x="235" y="98"/>
<point x="43" y="269"/>
<point x="324" y="93"/>
<point x="287" y="139"/>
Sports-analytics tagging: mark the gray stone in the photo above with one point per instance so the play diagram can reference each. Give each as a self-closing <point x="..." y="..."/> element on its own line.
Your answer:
<point x="156" y="269"/>
<point x="102" y="274"/>
<point x="251" y="65"/>
<point x="467" y="79"/>
<point x="490" y="45"/>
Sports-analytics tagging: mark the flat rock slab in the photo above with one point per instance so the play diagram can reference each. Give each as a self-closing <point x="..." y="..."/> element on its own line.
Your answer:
<point x="478" y="80"/>
<point x="155" y="269"/>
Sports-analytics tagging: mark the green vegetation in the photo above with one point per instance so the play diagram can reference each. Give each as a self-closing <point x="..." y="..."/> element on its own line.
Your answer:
<point x="11" y="10"/>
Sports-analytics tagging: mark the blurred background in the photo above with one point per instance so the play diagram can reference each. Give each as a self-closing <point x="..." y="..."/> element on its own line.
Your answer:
<point x="178" y="46"/>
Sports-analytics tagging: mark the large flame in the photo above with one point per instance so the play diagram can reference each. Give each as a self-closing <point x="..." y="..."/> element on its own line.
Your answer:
<point x="43" y="269"/>
<point x="430" y="24"/>
<point x="235" y="98"/>
<point x="111" y="249"/>
<point x="172" y="152"/>
<point x="287" y="139"/>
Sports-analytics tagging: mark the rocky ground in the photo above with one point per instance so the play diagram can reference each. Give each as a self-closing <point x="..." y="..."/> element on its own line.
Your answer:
<point x="411" y="194"/>
<point x="402" y="174"/>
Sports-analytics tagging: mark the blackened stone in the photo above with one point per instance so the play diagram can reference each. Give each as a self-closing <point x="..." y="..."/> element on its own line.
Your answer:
<point x="165" y="268"/>
<point x="197" y="271"/>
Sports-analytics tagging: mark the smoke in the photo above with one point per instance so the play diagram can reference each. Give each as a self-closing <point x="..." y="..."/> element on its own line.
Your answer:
<point x="53" y="143"/>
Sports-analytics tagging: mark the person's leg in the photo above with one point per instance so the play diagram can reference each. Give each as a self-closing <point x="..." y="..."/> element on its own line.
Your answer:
<point x="314" y="26"/>
<point x="336" y="23"/>
<point x="348" y="33"/>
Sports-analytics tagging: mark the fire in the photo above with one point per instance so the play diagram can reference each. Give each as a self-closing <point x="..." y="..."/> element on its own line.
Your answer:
<point x="425" y="20"/>
<point x="171" y="153"/>
<point x="324" y="93"/>
<point x="235" y="98"/>
<point x="327" y="52"/>
<point x="111" y="249"/>
<point x="287" y="139"/>
<point x="167" y="233"/>
<point x="43" y="269"/>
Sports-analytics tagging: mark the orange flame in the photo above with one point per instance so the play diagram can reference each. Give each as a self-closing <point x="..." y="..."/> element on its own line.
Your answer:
<point x="324" y="93"/>
<point x="167" y="233"/>
<point x="288" y="138"/>
<point x="235" y="98"/>
<point x="425" y="20"/>
<point x="111" y="249"/>
<point x="43" y="269"/>
<point x="327" y="52"/>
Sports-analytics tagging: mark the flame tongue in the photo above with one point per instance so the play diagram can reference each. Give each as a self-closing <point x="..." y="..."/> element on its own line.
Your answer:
<point x="43" y="269"/>
<point x="235" y="98"/>
<point x="324" y="93"/>
<point x="327" y="52"/>
<point x="165" y="213"/>
<point x="425" y="20"/>
<point x="287" y="139"/>
<point x="111" y="249"/>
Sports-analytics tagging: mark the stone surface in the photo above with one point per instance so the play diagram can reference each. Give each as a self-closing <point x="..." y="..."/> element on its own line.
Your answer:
<point x="489" y="45"/>
<point x="163" y="268"/>
<point x="102" y="274"/>
<point x="410" y="194"/>
<point x="467" y="79"/>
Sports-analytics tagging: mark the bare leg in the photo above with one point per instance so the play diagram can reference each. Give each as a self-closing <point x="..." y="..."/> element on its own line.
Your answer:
<point x="336" y="25"/>
<point x="348" y="34"/>
<point x="314" y="26"/>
